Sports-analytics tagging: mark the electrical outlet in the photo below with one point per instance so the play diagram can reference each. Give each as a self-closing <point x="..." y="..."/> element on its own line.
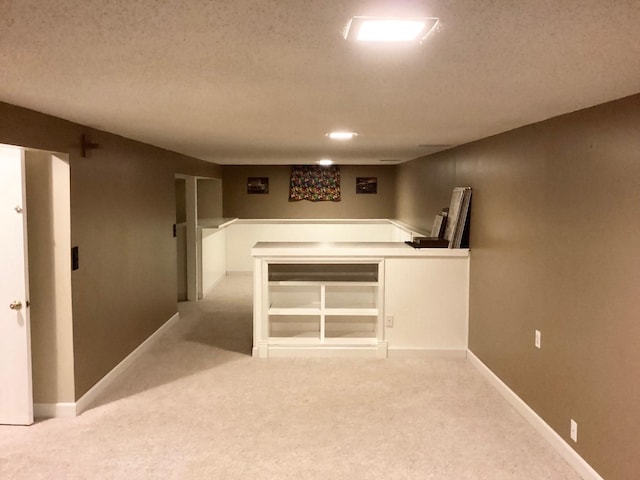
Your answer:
<point x="388" y="321"/>
<point x="538" y="339"/>
<point x="573" y="432"/>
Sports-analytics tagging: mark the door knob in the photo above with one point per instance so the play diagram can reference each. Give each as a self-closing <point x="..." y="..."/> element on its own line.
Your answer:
<point x="17" y="305"/>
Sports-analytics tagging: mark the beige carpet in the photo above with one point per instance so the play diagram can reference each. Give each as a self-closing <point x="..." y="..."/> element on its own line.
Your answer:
<point x="198" y="406"/>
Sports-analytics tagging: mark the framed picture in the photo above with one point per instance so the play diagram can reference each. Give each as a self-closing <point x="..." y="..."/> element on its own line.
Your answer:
<point x="367" y="185"/>
<point x="439" y="224"/>
<point x="257" y="185"/>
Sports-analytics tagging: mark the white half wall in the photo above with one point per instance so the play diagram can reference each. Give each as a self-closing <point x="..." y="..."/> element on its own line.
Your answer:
<point x="428" y="299"/>
<point x="242" y="235"/>
<point x="214" y="262"/>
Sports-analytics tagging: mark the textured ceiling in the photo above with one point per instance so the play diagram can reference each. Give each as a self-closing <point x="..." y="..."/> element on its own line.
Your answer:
<point x="262" y="81"/>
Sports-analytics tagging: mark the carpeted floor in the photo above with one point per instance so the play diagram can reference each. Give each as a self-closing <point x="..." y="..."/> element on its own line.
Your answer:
<point x="197" y="406"/>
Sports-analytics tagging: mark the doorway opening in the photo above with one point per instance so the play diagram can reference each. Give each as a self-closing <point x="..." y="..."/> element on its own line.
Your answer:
<point x="198" y="206"/>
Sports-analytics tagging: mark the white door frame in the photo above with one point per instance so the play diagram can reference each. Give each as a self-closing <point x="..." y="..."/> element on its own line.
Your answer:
<point x="193" y="236"/>
<point x="191" y="206"/>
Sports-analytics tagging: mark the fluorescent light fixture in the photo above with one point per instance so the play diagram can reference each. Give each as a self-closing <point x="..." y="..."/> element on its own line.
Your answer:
<point x="390" y="29"/>
<point x="325" y="162"/>
<point x="341" y="135"/>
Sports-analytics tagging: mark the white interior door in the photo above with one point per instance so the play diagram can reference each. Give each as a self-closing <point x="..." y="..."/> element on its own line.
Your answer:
<point x="16" y="397"/>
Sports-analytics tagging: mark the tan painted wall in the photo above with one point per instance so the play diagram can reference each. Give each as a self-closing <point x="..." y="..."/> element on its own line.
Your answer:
<point x="181" y="204"/>
<point x="554" y="234"/>
<point x="122" y="211"/>
<point x="237" y="203"/>
<point x="423" y="190"/>
<point x="209" y="193"/>
<point x="49" y="254"/>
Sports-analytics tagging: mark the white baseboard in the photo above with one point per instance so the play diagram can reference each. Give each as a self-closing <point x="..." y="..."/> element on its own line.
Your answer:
<point x="572" y="457"/>
<point x="311" y="351"/>
<point x="54" y="410"/>
<point x="213" y="285"/>
<point x="71" y="409"/>
<point x="88" y="398"/>
<point x="276" y="351"/>
<point x="426" y="353"/>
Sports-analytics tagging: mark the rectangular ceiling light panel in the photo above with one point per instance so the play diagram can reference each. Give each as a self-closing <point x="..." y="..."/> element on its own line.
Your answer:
<point x="342" y="135"/>
<point x="387" y="29"/>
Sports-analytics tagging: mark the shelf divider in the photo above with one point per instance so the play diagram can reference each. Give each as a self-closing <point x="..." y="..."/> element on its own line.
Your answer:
<point x="362" y="312"/>
<point x="294" y="311"/>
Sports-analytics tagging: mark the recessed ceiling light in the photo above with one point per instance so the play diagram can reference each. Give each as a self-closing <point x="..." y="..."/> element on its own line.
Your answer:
<point x="325" y="162"/>
<point x="341" y="135"/>
<point x="389" y="29"/>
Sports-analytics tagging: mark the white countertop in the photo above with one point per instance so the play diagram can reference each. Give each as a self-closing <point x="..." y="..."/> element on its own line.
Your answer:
<point x="329" y="221"/>
<point x="350" y="249"/>
<point x="216" y="222"/>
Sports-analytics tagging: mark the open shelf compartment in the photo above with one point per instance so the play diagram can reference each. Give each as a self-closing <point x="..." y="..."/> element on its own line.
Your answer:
<point x="350" y="327"/>
<point x="298" y="327"/>
<point x="323" y="272"/>
<point x="298" y="297"/>
<point x="351" y="296"/>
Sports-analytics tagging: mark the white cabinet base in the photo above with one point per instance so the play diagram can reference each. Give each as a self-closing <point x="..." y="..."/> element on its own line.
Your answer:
<point x="318" y="307"/>
<point x="266" y="350"/>
<point x="322" y="300"/>
<point x="427" y="353"/>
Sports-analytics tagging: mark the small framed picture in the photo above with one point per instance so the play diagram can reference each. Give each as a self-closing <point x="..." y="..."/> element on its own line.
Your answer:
<point x="257" y="185"/>
<point x="367" y="185"/>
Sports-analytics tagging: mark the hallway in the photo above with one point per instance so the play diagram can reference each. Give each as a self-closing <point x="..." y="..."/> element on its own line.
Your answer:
<point x="198" y="406"/>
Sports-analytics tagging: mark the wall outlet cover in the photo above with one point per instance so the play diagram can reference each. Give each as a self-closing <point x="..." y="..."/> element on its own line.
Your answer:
<point x="573" y="432"/>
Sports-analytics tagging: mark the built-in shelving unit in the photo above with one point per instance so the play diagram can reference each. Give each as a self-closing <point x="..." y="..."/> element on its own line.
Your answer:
<point x="332" y="298"/>
<point x="323" y="304"/>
